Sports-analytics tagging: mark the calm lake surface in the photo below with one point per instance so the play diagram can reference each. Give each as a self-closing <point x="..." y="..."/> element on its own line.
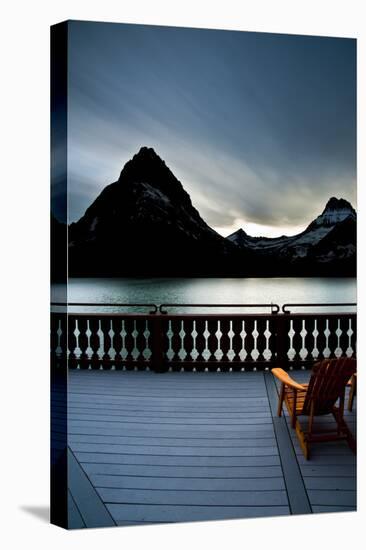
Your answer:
<point x="278" y="290"/>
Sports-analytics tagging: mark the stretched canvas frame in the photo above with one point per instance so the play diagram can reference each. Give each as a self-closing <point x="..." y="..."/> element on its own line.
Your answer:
<point x="75" y="501"/>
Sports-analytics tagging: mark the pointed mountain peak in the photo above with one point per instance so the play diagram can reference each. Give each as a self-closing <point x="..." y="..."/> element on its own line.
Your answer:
<point x="237" y="235"/>
<point x="147" y="167"/>
<point x="240" y="232"/>
<point x="149" y="151"/>
<point x="335" y="211"/>
<point x="338" y="204"/>
<point x="146" y="157"/>
<point x="146" y="153"/>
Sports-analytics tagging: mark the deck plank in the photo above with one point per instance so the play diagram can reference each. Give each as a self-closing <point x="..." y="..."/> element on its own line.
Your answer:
<point x="332" y="497"/>
<point x="188" y="484"/>
<point x="194" y="498"/>
<point x="183" y="431"/>
<point x="155" y="450"/>
<point x="165" y="513"/>
<point x="230" y="424"/>
<point x="243" y="418"/>
<point x="183" y="471"/>
<point x="188" y="462"/>
<point x="334" y="483"/>
<point x="174" y="441"/>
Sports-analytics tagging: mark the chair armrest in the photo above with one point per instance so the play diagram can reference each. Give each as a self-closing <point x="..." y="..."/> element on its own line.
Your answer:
<point x="284" y="377"/>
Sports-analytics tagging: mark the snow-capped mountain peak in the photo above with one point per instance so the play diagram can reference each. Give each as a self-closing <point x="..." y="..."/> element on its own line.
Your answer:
<point x="331" y="235"/>
<point x="335" y="211"/>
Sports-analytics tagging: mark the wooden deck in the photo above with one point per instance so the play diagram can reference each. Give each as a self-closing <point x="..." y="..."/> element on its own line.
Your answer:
<point x="150" y="448"/>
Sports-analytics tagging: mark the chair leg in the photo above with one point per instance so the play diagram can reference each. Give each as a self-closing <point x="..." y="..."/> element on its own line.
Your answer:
<point x="341" y="412"/>
<point x="280" y="400"/>
<point x="304" y="443"/>
<point x="311" y="418"/>
<point x="343" y="428"/>
<point x="351" y="441"/>
<point x="352" y="393"/>
<point x="304" y="439"/>
<point x="293" y="412"/>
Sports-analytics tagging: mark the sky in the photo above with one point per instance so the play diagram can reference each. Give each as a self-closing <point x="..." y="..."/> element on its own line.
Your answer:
<point x="259" y="128"/>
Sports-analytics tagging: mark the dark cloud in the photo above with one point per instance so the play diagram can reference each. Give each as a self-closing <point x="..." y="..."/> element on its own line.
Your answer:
<point x="258" y="127"/>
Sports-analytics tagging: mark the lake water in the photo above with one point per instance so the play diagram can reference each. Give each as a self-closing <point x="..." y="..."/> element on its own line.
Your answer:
<point x="278" y="290"/>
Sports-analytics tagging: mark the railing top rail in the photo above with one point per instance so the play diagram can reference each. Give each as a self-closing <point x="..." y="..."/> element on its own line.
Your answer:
<point x="275" y="308"/>
<point x="333" y="304"/>
<point x="104" y="304"/>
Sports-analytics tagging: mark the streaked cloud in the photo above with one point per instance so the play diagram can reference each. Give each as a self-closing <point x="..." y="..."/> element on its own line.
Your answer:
<point x="259" y="128"/>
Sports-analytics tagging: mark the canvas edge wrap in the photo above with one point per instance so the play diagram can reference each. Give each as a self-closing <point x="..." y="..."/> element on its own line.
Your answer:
<point x="58" y="228"/>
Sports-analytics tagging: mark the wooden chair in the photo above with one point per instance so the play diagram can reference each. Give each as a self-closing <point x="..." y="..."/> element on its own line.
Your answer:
<point x="319" y="397"/>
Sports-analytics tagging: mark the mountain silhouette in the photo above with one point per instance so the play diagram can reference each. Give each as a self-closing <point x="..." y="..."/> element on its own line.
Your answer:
<point x="144" y="224"/>
<point x="327" y="246"/>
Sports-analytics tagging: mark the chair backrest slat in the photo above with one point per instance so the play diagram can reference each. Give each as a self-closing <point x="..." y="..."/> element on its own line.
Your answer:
<point x="327" y="384"/>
